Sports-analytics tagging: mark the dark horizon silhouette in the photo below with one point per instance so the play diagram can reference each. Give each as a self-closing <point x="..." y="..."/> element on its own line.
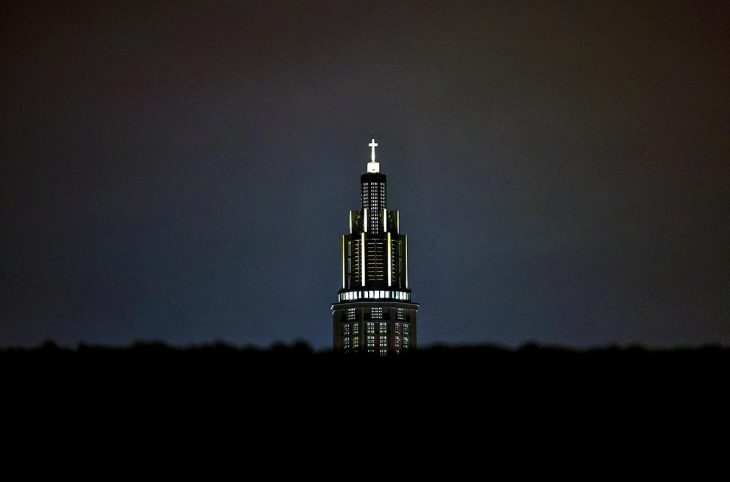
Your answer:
<point x="430" y="392"/>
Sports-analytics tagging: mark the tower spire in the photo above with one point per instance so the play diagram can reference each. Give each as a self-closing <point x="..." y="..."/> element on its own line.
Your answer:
<point x="373" y="165"/>
<point x="373" y="145"/>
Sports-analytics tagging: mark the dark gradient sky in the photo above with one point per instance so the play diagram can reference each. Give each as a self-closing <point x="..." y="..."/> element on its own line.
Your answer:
<point x="182" y="171"/>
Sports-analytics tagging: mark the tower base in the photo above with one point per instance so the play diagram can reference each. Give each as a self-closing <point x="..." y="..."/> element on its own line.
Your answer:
<point x="374" y="327"/>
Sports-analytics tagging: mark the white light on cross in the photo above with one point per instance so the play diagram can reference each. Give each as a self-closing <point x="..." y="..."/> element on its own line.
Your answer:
<point x="373" y="145"/>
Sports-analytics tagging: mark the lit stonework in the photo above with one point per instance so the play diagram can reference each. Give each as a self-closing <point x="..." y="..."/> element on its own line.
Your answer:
<point x="374" y="313"/>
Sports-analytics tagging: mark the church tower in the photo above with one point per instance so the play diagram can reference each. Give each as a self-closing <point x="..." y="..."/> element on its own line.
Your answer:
<point x="374" y="313"/>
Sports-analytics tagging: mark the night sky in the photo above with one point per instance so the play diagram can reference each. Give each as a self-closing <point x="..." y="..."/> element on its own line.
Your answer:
<point x="183" y="171"/>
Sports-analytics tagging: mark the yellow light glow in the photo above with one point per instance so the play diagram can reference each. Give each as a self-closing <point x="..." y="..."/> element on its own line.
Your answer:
<point x="406" y="258"/>
<point x="390" y="262"/>
<point x="362" y="257"/>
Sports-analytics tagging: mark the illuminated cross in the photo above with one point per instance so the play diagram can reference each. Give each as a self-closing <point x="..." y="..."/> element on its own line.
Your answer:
<point x="373" y="145"/>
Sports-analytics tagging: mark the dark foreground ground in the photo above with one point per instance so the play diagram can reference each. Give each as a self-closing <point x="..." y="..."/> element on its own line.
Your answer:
<point x="484" y="390"/>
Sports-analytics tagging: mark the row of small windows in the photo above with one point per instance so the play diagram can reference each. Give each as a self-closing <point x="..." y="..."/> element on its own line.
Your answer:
<point x="383" y="351"/>
<point x="370" y="328"/>
<point x="381" y="343"/>
<point x="374" y="294"/>
<point x="377" y="314"/>
<point x="382" y="326"/>
<point x="404" y="327"/>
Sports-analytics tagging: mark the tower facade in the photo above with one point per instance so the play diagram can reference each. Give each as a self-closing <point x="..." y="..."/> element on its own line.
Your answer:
<point x="374" y="312"/>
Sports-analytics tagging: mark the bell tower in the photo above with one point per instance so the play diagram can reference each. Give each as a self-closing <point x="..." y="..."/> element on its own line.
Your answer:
<point x="374" y="312"/>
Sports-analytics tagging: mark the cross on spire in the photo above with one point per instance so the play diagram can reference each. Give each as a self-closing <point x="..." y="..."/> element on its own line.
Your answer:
<point x="373" y="145"/>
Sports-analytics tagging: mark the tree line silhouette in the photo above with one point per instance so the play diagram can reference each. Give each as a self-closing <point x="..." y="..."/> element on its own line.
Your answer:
<point x="433" y="389"/>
